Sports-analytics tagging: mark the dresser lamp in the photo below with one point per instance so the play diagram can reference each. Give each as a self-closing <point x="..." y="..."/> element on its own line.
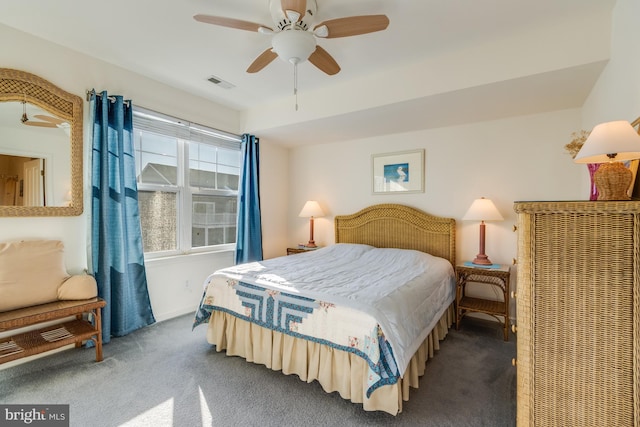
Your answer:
<point x="611" y="143"/>
<point x="482" y="210"/>
<point x="311" y="210"/>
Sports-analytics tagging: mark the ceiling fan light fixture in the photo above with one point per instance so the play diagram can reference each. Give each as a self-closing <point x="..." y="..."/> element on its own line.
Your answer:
<point x="293" y="39"/>
<point x="294" y="46"/>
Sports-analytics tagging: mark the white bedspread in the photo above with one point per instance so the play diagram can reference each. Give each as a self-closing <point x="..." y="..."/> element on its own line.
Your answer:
<point x="405" y="291"/>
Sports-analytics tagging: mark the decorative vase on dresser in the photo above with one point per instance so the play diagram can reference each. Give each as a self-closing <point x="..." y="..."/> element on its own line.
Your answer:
<point x="578" y="314"/>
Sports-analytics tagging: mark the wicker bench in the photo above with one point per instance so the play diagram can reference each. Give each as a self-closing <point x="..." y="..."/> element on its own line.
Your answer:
<point x="52" y="336"/>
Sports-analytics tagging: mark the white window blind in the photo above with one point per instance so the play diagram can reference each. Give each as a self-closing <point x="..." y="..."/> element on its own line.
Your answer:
<point x="151" y="121"/>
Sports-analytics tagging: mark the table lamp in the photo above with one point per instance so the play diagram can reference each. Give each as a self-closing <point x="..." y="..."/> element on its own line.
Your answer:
<point x="611" y="143"/>
<point x="310" y="210"/>
<point x="482" y="210"/>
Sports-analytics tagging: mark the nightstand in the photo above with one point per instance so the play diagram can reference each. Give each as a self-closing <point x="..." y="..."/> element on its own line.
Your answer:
<point x="497" y="277"/>
<point x="291" y="251"/>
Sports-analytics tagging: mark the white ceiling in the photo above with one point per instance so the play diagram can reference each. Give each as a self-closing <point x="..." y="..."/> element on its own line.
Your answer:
<point x="161" y="40"/>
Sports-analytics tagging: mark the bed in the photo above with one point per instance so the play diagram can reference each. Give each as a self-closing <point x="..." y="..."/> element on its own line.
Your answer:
<point x="370" y="342"/>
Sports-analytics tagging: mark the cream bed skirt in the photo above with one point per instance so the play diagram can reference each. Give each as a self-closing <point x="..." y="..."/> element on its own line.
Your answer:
<point x="334" y="369"/>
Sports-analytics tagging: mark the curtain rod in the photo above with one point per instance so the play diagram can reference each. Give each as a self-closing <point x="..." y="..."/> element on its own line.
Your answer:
<point x="91" y="93"/>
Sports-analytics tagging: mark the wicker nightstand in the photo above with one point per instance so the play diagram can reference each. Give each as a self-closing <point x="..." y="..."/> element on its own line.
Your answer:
<point x="498" y="277"/>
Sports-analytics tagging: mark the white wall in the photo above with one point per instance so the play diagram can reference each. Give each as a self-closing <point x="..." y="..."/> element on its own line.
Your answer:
<point x="505" y="160"/>
<point x="274" y="198"/>
<point x="616" y="96"/>
<point x="176" y="284"/>
<point x="77" y="73"/>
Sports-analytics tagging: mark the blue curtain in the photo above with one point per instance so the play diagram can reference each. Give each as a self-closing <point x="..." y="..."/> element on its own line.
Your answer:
<point x="116" y="239"/>
<point x="249" y="236"/>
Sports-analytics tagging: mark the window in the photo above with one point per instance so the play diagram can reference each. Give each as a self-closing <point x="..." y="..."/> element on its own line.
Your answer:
<point x="187" y="178"/>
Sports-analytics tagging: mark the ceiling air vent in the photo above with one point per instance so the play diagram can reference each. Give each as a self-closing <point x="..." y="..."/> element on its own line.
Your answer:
<point x="219" y="82"/>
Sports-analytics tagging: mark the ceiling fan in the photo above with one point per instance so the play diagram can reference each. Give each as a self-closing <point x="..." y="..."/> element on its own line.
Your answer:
<point x="296" y="31"/>
<point x="43" y="120"/>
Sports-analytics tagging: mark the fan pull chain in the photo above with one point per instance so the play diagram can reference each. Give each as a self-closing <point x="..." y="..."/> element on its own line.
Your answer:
<point x="295" y="82"/>
<point x="24" y="118"/>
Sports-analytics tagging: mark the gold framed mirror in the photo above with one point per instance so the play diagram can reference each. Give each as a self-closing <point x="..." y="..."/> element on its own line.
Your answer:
<point x="40" y="147"/>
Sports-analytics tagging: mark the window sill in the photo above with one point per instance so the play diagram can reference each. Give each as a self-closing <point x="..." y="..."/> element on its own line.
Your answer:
<point x="153" y="258"/>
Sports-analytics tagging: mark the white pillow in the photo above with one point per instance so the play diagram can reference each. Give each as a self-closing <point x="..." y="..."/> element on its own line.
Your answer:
<point x="30" y="272"/>
<point x="81" y="286"/>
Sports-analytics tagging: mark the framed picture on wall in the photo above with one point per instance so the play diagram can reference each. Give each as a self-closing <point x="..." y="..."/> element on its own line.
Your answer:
<point x="401" y="172"/>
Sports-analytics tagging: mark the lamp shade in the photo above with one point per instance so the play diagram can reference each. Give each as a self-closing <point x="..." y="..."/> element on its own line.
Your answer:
<point x="482" y="210"/>
<point x="311" y="209"/>
<point x="610" y="141"/>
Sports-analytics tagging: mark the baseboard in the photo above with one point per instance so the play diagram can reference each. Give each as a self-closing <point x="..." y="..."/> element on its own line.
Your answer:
<point x="172" y="314"/>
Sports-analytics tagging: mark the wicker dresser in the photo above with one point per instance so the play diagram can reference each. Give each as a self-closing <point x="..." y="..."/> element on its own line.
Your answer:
<point x="578" y="314"/>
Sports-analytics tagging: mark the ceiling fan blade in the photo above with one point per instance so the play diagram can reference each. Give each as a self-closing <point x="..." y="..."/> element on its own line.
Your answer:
<point x="325" y="62"/>
<point x="40" y="124"/>
<point x="53" y="120"/>
<point x="299" y="6"/>
<point x="230" y="22"/>
<point x="354" y="25"/>
<point x="262" y="61"/>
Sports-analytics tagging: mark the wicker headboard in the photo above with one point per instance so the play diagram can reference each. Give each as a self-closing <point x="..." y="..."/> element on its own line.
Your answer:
<point x="398" y="226"/>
